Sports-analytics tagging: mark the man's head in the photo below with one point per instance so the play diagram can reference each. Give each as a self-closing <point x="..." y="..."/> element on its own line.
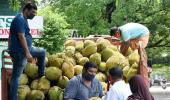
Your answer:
<point x="29" y="10"/>
<point x="89" y="71"/>
<point x="115" y="31"/>
<point x="115" y="74"/>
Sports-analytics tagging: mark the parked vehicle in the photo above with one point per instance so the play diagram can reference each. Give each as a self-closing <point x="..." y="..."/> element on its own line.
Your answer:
<point x="159" y="80"/>
<point x="6" y="72"/>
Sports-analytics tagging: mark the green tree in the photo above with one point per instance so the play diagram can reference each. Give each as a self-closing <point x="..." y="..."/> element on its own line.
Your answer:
<point x="55" y="30"/>
<point x="90" y="17"/>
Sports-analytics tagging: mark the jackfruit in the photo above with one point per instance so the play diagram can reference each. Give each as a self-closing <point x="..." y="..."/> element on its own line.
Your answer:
<point x="36" y="95"/>
<point x="117" y="59"/>
<point x="62" y="82"/>
<point x="79" y="45"/>
<point x="134" y="57"/>
<point x="102" y="67"/>
<point x="70" y="42"/>
<point x="88" y="50"/>
<point x="101" y="77"/>
<point x="55" y="93"/>
<point x="23" y="91"/>
<point x="104" y="87"/>
<point x="125" y="70"/>
<point x="102" y="44"/>
<point x="78" y="69"/>
<point x="70" y="60"/>
<point x="69" y="51"/>
<point x="77" y="56"/>
<point x="23" y="79"/>
<point x="31" y="70"/>
<point x="43" y="84"/>
<point x="113" y="47"/>
<point x="83" y="60"/>
<point x="55" y="61"/>
<point x="96" y="58"/>
<point x="106" y="54"/>
<point x="53" y="73"/>
<point x="34" y="84"/>
<point x="68" y="69"/>
<point x="132" y="71"/>
<point x="88" y="42"/>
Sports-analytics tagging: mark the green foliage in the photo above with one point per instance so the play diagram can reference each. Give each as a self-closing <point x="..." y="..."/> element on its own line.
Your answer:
<point x="15" y="4"/>
<point x="55" y="30"/>
<point x="85" y="15"/>
<point x="89" y="17"/>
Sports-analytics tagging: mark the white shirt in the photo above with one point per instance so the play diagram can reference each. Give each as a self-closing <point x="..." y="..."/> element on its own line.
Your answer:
<point x="119" y="91"/>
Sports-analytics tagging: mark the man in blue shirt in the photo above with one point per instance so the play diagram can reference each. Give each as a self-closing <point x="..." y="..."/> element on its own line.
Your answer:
<point x="84" y="86"/>
<point x="21" y="49"/>
<point x="131" y="34"/>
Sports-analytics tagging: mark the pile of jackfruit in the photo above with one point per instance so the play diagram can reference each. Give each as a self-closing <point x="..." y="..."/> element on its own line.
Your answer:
<point x="63" y="66"/>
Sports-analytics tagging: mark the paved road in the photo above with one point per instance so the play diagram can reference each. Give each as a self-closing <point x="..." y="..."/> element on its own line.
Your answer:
<point x="159" y="93"/>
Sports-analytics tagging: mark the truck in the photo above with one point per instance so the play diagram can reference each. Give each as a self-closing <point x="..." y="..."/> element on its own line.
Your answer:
<point x="7" y="72"/>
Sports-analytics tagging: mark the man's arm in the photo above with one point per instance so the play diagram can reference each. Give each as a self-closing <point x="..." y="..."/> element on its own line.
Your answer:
<point x="25" y="47"/>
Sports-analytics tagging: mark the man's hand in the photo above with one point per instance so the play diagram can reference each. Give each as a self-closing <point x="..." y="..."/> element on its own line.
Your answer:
<point x="29" y="57"/>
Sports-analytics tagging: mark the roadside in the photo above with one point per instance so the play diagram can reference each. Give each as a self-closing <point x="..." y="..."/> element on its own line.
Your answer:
<point x="159" y="93"/>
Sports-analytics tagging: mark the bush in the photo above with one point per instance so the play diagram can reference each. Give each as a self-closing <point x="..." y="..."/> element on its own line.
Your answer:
<point x="55" y="30"/>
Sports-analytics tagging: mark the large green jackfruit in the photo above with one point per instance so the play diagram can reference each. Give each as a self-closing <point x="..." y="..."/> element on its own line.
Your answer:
<point x="36" y="95"/>
<point x="102" y="67"/>
<point x="88" y="50"/>
<point x="102" y="44"/>
<point x="77" y="57"/>
<point x="117" y="59"/>
<point x="53" y="73"/>
<point x="83" y="60"/>
<point x="134" y="57"/>
<point x="34" y="84"/>
<point x="68" y="69"/>
<point x="43" y="84"/>
<point x="55" y="93"/>
<point x="31" y="70"/>
<point x="70" y="42"/>
<point x="23" y="79"/>
<point x="62" y="82"/>
<point x="132" y="71"/>
<point x="79" y="46"/>
<point x="88" y="42"/>
<point x="23" y="91"/>
<point x="78" y="69"/>
<point x="106" y="54"/>
<point x="69" y="51"/>
<point x="101" y="77"/>
<point x="53" y="60"/>
<point x="96" y="58"/>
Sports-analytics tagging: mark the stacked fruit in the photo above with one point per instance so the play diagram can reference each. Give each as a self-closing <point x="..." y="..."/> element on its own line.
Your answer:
<point x="61" y="67"/>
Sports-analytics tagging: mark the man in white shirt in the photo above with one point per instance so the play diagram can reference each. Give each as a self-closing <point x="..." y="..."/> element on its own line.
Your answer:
<point x="119" y="89"/>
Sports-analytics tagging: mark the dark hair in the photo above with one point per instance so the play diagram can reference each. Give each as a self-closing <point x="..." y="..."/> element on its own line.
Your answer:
<point x="90" y="64"/>
<point x="29" y="6"/>
<point x="116" y="72"/>
<point x="113" y="30"/>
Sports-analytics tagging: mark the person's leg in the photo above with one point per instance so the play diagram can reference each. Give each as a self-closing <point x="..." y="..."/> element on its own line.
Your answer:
<point x="39" y="53"/>
<point x="18" y="66"/>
